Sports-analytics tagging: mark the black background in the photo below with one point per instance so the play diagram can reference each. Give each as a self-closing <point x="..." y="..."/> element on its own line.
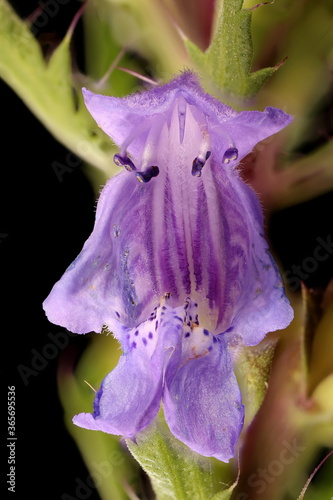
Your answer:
<point x="44" y="223"/>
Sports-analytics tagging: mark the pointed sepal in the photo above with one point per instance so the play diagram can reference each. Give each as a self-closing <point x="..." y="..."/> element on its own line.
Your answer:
<point x="228" y="60"/>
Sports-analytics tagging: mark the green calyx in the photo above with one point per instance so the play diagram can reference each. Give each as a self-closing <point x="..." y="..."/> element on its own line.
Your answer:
<point x="227" y="61"/>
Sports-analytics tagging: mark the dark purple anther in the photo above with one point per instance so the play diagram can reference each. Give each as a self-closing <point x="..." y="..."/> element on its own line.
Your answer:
<point x="198" y="164"/>
<point x="230" y="155"/>
<point x="124" y="161"/>
<point x="148" y="174"/>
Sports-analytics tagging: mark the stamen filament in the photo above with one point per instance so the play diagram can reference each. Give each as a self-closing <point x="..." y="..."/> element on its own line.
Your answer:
<point x="231" y="152"/>
<point x="152" y="139"/>
<point x="204" y="154"/>
<point x="136" y="132"/>
<point x="204" y="147"/>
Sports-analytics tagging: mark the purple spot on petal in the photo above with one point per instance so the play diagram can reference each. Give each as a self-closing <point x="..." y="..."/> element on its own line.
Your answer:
<point x="187" y="334"/>
<point x="136" y="333"/>
<point x="133" y="345"/>
<point x="210" y="348"/>
<point x="144" y="341"/>
<point x="156" y="325"/>
<point x="150" y="335"/>
<point x="206" y="332"/>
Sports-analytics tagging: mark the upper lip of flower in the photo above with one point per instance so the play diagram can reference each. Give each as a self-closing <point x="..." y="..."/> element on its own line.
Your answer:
<point x="194" y="229"/>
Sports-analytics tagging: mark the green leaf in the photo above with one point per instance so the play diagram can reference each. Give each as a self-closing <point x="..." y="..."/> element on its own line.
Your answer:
<point x="174" y="470"/>
<point x="148" y="29"/>
<point x="102" y="53"/>
<point x="48" y="90"/>
<point x="228" y="59"/>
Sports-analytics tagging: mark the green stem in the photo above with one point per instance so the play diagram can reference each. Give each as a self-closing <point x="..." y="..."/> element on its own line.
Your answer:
<point x="174" y="470"/>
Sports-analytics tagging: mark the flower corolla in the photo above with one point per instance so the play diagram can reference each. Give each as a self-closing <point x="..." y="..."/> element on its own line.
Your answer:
<point x="177" y="266"/>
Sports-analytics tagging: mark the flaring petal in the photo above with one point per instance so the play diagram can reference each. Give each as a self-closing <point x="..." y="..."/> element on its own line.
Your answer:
<point x="129" y="397"/>
<point x="258" y="302"/>
<point x="110" y="280"/>
<point x="201" y="399"/>
<point x="119" y="116"/>
<point x="116" y="116"/>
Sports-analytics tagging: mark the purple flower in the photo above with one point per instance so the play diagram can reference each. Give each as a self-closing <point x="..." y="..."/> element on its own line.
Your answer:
<point x="177" y="266"/>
